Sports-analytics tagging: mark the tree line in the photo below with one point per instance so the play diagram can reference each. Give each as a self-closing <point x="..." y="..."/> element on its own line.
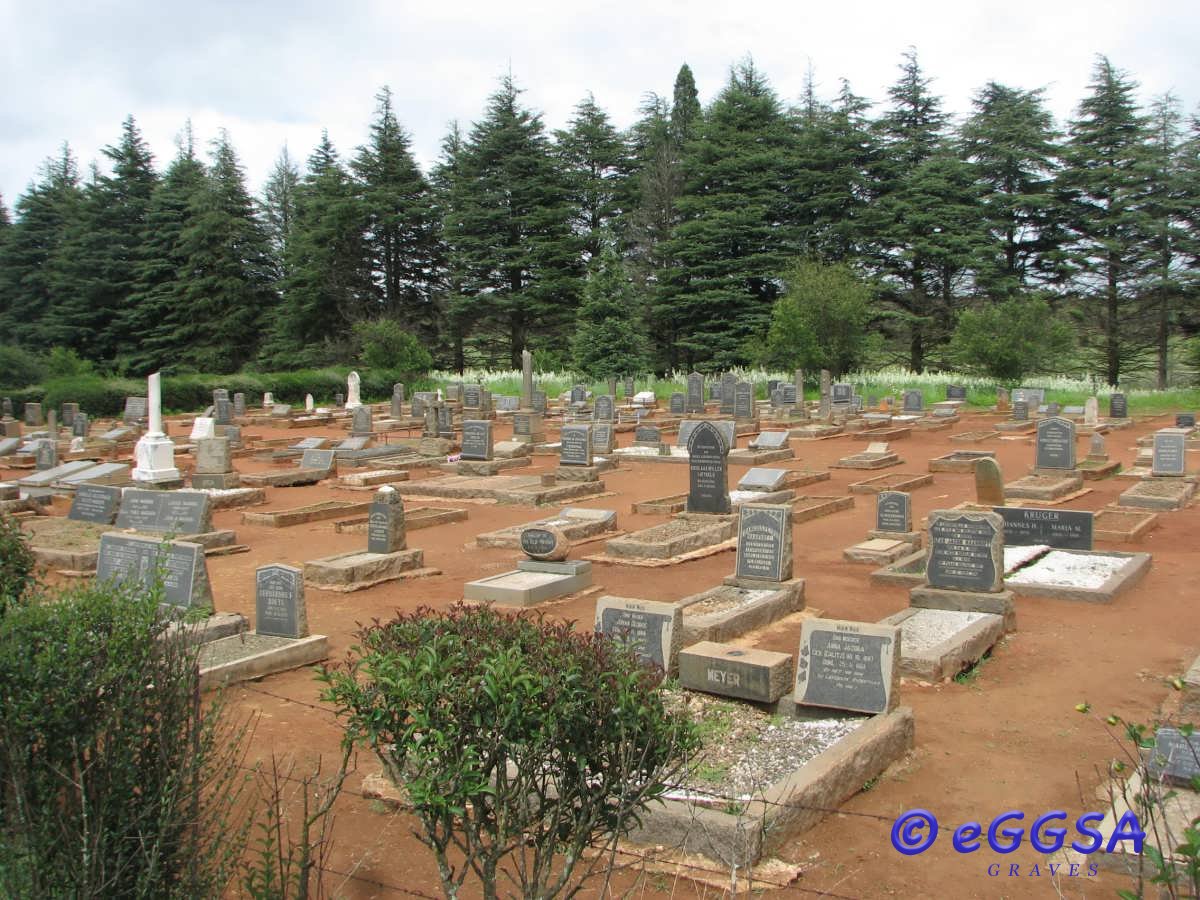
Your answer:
<point x="663" y="246"/>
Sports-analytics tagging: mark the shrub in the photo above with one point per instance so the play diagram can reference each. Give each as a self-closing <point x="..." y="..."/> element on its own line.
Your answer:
<point x="117" y="780"/>
<point x="1010" y="339"/>
<point x="19" y="367"/>
<point x="518" y="741"/>
<point x="16" y="564"/>
<point x="385" y="345"/>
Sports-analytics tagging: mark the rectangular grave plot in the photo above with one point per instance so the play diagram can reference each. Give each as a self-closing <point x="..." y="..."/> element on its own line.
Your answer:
<point x="893" y="481"/>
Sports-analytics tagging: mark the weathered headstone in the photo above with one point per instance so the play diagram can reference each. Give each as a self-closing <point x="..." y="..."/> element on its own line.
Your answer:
<point x="136" y="409"/>
<point x="69" y="411"/>
<point x="431" y="420"/>
<point x="339" y="399"/>
<point x="477" y="439"/>
<point x="1170" y="449"/>
<point x="743" y="400"/>
<point x="223" y="412"/>
<point x="6" y="408"/>
<point x="770" y="440"/>
<point x="647" y="434"/>
<point x="1020" y="411"/>
<point x="914" y="402"/>
<point x="129" y="558"/>
<point x="576" y="445"/>
<point x="841" y="393"/>
<point x="1063" y="529"/>
<point x="762" y="479"/>
<point x="602" y="437"/>
<point x="539" y="402"/>
<point x="604" y="409"/>
<point x="239" y="404"/>
<point x="728" y="387"/>
<point x="1091" y="411"/>
<point x="1118" y="406"/>
<point x="473" y="396"/>
<point x="628" y="388"/>
<point x="989" y="482"/>
<point x="212" y="456"/>
<point x="316" y="459"/>
<point x="33" y="415"/>
<point x="45" y="454"/>
<point x="527" y="380"/>
<point x="1185" y="420"/>
<point x="847" y="665"/>
<point x="95" y="503"/>
<point x="202" y="427"/>
<point x="177" y="512"/>
<point x="1175" y="758"/>
<point x="1003" y="403"/>
<point x="279" y="607"/>
<point x="445" y="420"/>
<point x="1055" y="444"/>
<point x="1096" y="448"/>
<point x="764" y="543"/>
<point x="695" y="392"/>
<point x="966" y="551"/>
<point x="385" y="522"/>
<point x="652" y="628"/>
<point x="708" y="470"/>
<point x="360" y="420"/>
<point x="893" y="512"/>
<point x="678" y="405"/>
<point x="79" y="427"/>
<point x="579" y="394"/>
<point x="956" y="392"/>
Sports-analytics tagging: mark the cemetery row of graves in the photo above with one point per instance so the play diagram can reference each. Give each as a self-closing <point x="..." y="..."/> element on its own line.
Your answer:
<point x="690" y="529"/>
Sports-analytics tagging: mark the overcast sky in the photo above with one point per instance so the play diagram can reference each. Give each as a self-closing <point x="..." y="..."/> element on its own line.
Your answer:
<point x="275" y="73"/>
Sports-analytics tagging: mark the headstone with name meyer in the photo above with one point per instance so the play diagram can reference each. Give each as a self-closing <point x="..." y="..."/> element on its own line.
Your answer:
<point x="130" y="558"/>
<point x="477" y="439"/>
<point x="893" y="512"/>
<point x="575" y="445"/>
<point x="279" y="607"/>
<point x="764" y="542"/>
<point x="966" y="551"/>
<point x="1063" y="529"/>
<point x="652" y="628"/>
<point x="847" y="665"/>
<point x="1055" y="444"/>
<point x="1169" y="454"/>
<point x="385" y="522"/>
<point x="708" y="471"/>
<point x="95" y="503"/>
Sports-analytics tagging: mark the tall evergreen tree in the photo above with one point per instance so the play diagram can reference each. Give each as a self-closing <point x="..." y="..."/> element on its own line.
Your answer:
<point x="592" y="157"/>
<point x="455" y="304"/>
<point x="608" y="342"/>
<point x="403" y="235"/>
<point x="277" y="209"/>
<point x="737" y="228"/>
<point x="1103" y="183"/>
<point x="44" y="214"/>
<point x="508" y="225"/>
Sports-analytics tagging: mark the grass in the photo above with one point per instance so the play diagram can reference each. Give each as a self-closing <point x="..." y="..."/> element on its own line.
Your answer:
<point x="969" y="675"/>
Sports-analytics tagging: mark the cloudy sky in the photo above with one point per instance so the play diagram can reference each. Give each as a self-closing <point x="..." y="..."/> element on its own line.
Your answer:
<point x="275" y="73"/>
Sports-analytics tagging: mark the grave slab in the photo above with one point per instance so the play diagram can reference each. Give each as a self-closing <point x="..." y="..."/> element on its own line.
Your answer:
<point x="1044" y="487"/>
<point x="1122" y="525"/>
<point x="579" y="525"/>
<point x="313" y="512"/>
<point x="525" y="587"/>
<point x="248" y="656"/>
<point x="940" y="643"/>
<point x="730" y="610"/>
<point x="361" y="569"/>
<point x="960" y="461"/>
<point x="893" y="481"/>
<point x="1158" y="494"/>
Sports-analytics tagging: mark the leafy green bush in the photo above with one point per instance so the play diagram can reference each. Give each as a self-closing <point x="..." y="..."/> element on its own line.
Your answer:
<point x="118" y="781"/>
<point x="20" y="367"/>
<point x="62" y="362"/>
<point x="385" y="345"/>
<point x="1011" y="339"/>
<point x="510" y="732"/>
<point x="16" y="564"/>
<point x="95" y="395"/>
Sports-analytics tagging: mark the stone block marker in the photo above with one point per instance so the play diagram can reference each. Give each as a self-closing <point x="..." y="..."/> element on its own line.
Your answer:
<point x="761" y="676"/>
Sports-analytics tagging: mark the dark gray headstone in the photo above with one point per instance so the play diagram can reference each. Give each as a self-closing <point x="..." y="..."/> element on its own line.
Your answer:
<point x="1020" y="411"/>
<point x="239" y="404"/>
<point x="760" y="479"/>
<point x="628" y="388"/>
<point x="316" y="459"/>
<point x="914" y="402"/>
<point x="1185" y="420"/>
<point x="473" y="396"/>
<point x="743" y="400"/>
<point x="339" y="399"/>
<point x="678" y="405"/>
<point x="135" y="409"/>
<point x="178" y="512"/>
<point x="708" y="470"/>
<point x="653" y="628"/>
<point x="79" y="427"/>
<point x="445" y="420"/>
<point x="1175" y="758"/>
<point x="1118" y="407"/>
<point x="95" y="503"/>
<point x="602" y="437"/>
<point x="477" y="439"/>
<point x="647" y="434"/>
<point x="893" y="512"/>
<point x="841" y="393"/>
<point x="956" y="392"/>
<point x="1063" y="529"/>
<point x="695" y="392"/>
<point x="539" y="402"/>
<point x="576" y="445"/>
<point x="687" y="426"/>
<point x="385" y="522"/>
<point x="1055" y="444"/>
<point x="45" y="454"/>
<point x="128" y="558"/>
<point x="966" y="551"/>
<point x="847" y="665"/>
<point x="69" y="412"/>
<point x="764" y="544"/>
<point x="33" y="415"/>
<point x="1170" y="452"/>
<point x="223" y="412"/>
<point x="579" y="394"/>
<point x="604" y="409"/>
<point x="540" y="542"/>
<point x="728" y="397"/>
<point x="279" y="607"/>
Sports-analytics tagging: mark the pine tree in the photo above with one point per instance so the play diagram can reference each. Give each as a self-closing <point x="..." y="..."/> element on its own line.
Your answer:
<point x="592" y="157"/>
<point x="403" y="237"/>
<point x="1010" y="143"/>
<point x="1102" y="184"/>
<point x="455" y="300"/>
<point x="738" y="225"/>
<point x="608" y="342"/>
<point x="277" y="209"/>
<point x="508" y="227"/>
<point x="44" y="215"/>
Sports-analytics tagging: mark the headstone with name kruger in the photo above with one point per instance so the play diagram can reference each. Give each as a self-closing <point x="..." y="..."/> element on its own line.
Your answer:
<point x="708" y="470"/>
<point x="847" y="665"/>
<point x="966" y="551"/>
<point x="764" y="542"/>
<point x="1063" y="529"/>
<point x="279" y="607"/>
<point x="654" y="629"/>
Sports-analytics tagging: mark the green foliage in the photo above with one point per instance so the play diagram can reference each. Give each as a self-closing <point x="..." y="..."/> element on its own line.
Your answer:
<point x="508" y="731"/>
<point x="608" y="340"/>
<point x="118" y="780"/>
<point x="16" y="564"/>
<point x="822" y="321"/>
<point x="383" y="344"/>
<point x="20" y="367"/>
<point x="1012" y="339"/>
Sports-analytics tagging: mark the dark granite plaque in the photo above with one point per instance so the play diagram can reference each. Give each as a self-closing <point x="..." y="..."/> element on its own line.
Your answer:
<point x="602" y="437"/>
<point x="1170" y="452"/>
<point x="1020" y="411"/>
<point x="787" y="394"/>
<point x="893" y="512"/>
<point x="385" y="524"/>
<point x="1055" y="444"/>
<point x="764" y="545"/>
<point x="477" y="439"/>
<point x="725" y="426"/>
<point x="651" y="627"/>
<point x="743" y="400"/>
<point x="579" y="394"/>
<point x="309" y="444"/>
<point x="576" y="446"/>
<point x="966" y="551"/>
<point x="914" y="402"/>
<point x="647" y="434"/>
<point x="135" y="408"/>
<point x="1175" y="757"/>
<point x="604" y="409"/>
<point x="1063" y="529"/>
<point x="316" y="459"/>
<point x="728" y="393"/>
<point x="473" y="396"/>
<point x="1185" y="420"/>
<point x="847" y="665"/>
<point x="1118" y="407"/>
<point x="841" y="393"/>
<point x="279" y="602"/>
<point x="127" y="558"/>
<point x="628" y="388"/>
<point x="708" y="470"/>
<point x="956" y="392"/>
<point x="178" y="512"/>
<point x="678" y="404"/>
<point x="95" y="503"/>
<point x="538" y="541"/>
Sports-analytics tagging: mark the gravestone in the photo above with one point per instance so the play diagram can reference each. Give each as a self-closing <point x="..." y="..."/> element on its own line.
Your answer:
<point x="708" y="471"/>
<point x="527" y="426"/>
<point x="1003" y="404"/>
<point x="966" y="551"/>
<point x="678" y="405"/>
<point x="69" y="412"/>
<point x="764" y="543"/>
<point x="431" y="420"/>
<point x="135" y="409"/>
<point x="1185" y="420"/>
<point x="1118" y="407"/>
<point x="9" y="446"/>
<point x="1020" y="411"/>
<point x="1091" y="411"/>
<point x="477" y="439"/>
<point x="33" y="415"/>
<point x="989" y="482"/>
<point x="177" y="512"/>
<point x="316" y="459"/>
<point x="95" y="503"/>
<point x="418" y="406"/>
<point x="602" y="437"/>
<point x="398" y="390"/>
<point x="1170" y="449"/>
<point x="695" y="393"/>
<point x="539" y="402"/>
<point x="1035" y="397"/>
<point x="473" y="396"/>
<point x="576" y="445"/>
<point x="1053" y="409"/>
<point x="714" y="391"/>
<point x="360" y="420"/>
<point x="770" y="440"/>
<point x="396" y="410"/>
<point x="354" y="443"/>
<point x="728" y="395"/>
<point x="578" y="394"/>
<point x="604" y="409"/>
<point x="1175" y="758"/>
<point x="628" y="388"/>
<point x="279" y="607"/>
<point x="385" y="522"/>
<point x="445" y="420"/>
<point x="45" y="454"/>
<point x="1096" y="449"/>
<point x="687" y="426"/>
<point x="239" y="404"/>
<point x="202" y="427"/>
<point x="841" y="393"/>
<point x="79" y="428"/>
<point x="647" y="434"/>
<point x="544" y="542"/>
<point x="653" y="629"/>
<point x="1063" y="529"/>
<point x="956" y="392"/>
<point x="223" y="412"/>
<point x="893" y="512"/>
<point x="339" y="399"/>
<point x="1055" y="444"/>
<point x="212" y="456"/>
<point x="309" y="444"/>
<point x="743" y="400"/>
<point x="787" y="395"/>
<point x="914" y="402"/>
<point x="847" y="665"/>
<point x="6" y="408"/>
<point x="134" y="559"/>
<point x="761" y="479"/>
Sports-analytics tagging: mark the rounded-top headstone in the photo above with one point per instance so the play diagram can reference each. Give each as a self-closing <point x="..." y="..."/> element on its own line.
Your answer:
<point x="545" y="542"/>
